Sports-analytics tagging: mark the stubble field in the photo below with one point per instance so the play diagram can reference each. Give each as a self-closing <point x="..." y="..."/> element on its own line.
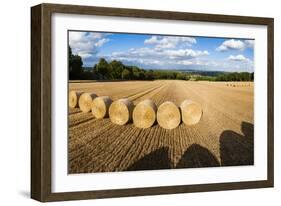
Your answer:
<point x="223" y="137"/>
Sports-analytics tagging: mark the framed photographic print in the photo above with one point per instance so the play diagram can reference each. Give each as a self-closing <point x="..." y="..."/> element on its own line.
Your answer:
<point x="130" y="102"/>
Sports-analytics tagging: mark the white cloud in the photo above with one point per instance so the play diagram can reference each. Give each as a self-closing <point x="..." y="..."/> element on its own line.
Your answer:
<point x="170" y="42"/>
<point x="86" y="44"/>
<point x="136" y="60"/>
<point x="75" y="36"/>
<point x="101" y="42"/>
<point x="85" y="55"/>
<point x="185" y="62"/>
<point x="184" y="53"/>
<point x="155" y="58"/>
<point x="150" y="55"/>
<point x="181" y="59"/>
<point x="152" y="40"/>
<point x="239" y="63"/>
<point x="238" y="57"/>
<point x="250" y="43"/>
<point x="196" y="62"/>
<point x="231" y="45"/>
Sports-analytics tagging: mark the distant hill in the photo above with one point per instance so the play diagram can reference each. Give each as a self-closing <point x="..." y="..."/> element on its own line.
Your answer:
<point x="202" y="72"/>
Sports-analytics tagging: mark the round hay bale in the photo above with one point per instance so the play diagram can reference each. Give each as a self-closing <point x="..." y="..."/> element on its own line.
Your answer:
<point x="100" y="106"/>
<point x="168" y="115"/>
<point x="73" y="98"/>
<point x="144" y="114"/>
<point x="120" y="111"/>
<point x="191" y="112"/>
<point x="85" y="101"/>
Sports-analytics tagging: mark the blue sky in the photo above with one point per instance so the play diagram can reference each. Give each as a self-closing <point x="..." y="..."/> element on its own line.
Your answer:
<point x="164" y="52"/>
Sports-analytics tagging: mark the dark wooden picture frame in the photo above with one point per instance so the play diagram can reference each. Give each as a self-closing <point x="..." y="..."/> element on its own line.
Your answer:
<point x="41" y="101"/>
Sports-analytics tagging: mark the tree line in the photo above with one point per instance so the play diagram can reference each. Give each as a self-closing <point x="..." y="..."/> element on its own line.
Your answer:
<point x="116" y="70"/>
<point x="231" y="76"/>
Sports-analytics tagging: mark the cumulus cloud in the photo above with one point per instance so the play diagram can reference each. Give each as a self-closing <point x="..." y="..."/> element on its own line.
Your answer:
<point x="195" y="62"/>
<point x="163" y="52"/>
<point x="148" y="55"/>
<point x="233" y="44"/>
<point x="181" y="59"/>
<point x="170" y="42"/>
<point x="185" y="53"/>
<point x="239" y="63"/>
<point x="155" y="58"/>
<point x="86" y="44"/>
<point x="185" y="62"/>
<point x="250" y="43"/>
<point x="239" y="58"/>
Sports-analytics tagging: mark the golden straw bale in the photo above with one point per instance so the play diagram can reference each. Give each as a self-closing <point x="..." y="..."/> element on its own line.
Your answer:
<point x="100" y="106"/>
<point x="85" y="101"/>
<point x="73" y="98"/>
<point x="191" y="112"/>
<point x="120" y="111"/>
<point x="144" y="114"/>
<point x="168" y="115"/>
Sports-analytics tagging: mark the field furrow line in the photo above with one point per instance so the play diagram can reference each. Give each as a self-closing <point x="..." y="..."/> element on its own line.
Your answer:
<point x="220" y="102"/>
<point x="121" y="142"/>
<point x="176" y="147"/>
<point x="85" y="138"/>
<point x="142" y="94"/>
<point x="78" y="118"/>
<point x="72" y="111"/>
<point x="218" y="117"/>
<point x="91" y="152"/>
<point x="94" y="135"/>
<point x="143" y="90"/>
<point x="121" y="90"/>
<point x="121" y="152"/>
<point x="102" y="146"/>
<point x="136" y="151"/>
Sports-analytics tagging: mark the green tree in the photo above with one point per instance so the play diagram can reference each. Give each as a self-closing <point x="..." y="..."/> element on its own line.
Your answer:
<point x="116" y="69"/>
<point x="75" y="65"/>
<point x="149" y="75"/>
<point x="142" y="74"/>
<point x="180" y="76"/>
<point x="126" y="74"/>
<point x="103" y="68"/>
<point x="136" y="73"/>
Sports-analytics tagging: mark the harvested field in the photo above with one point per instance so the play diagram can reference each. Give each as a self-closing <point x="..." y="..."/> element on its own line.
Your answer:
<point x="223" y="136"/>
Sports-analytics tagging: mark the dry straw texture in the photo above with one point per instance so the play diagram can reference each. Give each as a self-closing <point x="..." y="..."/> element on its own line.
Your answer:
<point x="73" y="98"/>
<point x="222" y="130"/>
<point x="168" y="115"/>
<point x="120" y="111"/>
<point x="85" y="101"/>
<point x="100" y="106"/>
<point x="191" y="112"/>
<point x="144" y="114"/>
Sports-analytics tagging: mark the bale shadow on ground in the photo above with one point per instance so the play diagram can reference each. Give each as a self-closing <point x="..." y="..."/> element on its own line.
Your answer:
<point x="156" y="160"/>
<point x="194" y="157"/>
<point x="236" y="149"/>
<point x="197" y="156"/>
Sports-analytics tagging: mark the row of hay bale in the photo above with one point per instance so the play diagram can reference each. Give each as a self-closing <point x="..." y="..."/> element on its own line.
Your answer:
<point x="145" y="114"/>
<point x="238" y="85"/>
